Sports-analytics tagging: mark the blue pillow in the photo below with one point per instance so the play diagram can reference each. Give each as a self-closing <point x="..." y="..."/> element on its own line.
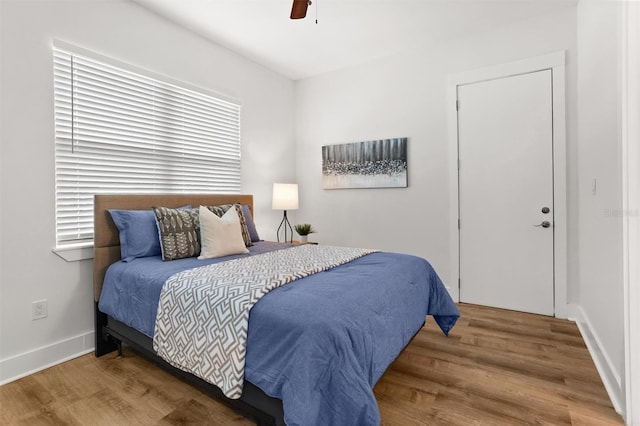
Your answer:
<point x="138" y="233"/>
<point x="251" y="226"/>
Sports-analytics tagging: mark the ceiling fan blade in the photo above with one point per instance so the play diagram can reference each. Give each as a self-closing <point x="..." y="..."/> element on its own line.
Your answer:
<point x="299" y="9"/>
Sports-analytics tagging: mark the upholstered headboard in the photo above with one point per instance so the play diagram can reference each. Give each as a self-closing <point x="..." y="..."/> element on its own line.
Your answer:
<point x="106" y="235"/>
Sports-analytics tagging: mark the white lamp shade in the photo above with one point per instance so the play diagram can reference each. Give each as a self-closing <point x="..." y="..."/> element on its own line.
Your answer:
<point x="285" y="196"/>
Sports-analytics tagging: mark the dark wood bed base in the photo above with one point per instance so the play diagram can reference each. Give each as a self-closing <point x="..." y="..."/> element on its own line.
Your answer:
<point x="110" y="333"/>
<point x="254" y="403"/>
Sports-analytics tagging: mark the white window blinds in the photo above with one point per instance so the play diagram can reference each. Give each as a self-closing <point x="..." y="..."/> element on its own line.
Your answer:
<point x="118" y="131"/>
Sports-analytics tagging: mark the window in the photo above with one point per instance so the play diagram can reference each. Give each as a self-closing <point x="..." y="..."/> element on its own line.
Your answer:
<point x="120" y="131"/>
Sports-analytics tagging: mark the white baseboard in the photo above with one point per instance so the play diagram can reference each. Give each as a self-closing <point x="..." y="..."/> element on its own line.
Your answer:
<point x="610" y="378"/>
<point x="24" y="364"/>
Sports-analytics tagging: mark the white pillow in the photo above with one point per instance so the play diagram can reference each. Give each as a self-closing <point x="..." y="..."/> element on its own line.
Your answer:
<point x="220" y="236"/>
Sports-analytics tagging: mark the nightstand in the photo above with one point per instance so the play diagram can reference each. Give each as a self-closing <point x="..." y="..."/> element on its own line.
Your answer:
<point x="315" y="243"/>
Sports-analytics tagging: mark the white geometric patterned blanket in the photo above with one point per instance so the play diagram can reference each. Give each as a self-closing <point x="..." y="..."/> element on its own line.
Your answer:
<point x="203" y="313"/>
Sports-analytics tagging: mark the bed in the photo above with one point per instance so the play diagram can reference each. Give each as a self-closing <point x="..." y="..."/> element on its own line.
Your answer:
<point x="315" y="346"/>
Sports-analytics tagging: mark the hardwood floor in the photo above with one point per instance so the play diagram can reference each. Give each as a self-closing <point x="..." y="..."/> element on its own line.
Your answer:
<point x="495" y="368"/>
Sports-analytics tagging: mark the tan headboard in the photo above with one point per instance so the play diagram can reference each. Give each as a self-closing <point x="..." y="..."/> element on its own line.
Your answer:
<point x="106" y="237"/>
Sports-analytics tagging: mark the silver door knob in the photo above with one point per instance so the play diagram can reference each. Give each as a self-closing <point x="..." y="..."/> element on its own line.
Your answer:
<point x="544" y="224"/>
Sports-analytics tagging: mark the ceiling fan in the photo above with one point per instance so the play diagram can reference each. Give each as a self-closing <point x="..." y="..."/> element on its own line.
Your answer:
<point x="299" y="8"/>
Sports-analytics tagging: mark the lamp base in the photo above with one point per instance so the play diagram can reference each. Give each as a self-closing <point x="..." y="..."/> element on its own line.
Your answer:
<point x="285" y="223"/>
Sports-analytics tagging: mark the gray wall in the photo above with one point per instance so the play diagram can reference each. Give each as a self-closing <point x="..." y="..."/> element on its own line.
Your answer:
<point x="29" y="270"/>
<point x="406" y="96"/>
<point x="600" y="160"/>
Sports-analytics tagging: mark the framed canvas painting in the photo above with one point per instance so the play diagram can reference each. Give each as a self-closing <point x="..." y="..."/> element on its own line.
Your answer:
<point x="370" y="164"/>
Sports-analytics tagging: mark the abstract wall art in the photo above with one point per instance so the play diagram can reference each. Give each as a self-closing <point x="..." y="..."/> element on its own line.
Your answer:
<point x="370" y="164"/>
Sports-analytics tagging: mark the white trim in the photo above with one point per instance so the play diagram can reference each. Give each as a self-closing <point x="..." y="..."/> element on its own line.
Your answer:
<point x="601" y="359"/>
<point x="27" y="363"/>
<point x="554" y="61"/>
<point x="454" y="232"/>
<point x="560" y="237"/>
<point x="631" y="206"/>
<point x="522" y="66"/>
<point x="74" y="253"/>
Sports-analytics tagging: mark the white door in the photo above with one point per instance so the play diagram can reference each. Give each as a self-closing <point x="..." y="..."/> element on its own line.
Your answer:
<point x="505" y="176"/>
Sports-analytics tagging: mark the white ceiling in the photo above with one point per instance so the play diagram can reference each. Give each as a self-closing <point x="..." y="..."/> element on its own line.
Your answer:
<point x="348" y="32"/>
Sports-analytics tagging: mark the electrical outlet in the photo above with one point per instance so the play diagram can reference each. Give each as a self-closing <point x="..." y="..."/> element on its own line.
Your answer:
<point x="39" y="309"/>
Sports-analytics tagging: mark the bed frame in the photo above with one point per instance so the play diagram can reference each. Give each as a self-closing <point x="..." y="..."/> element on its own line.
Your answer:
<point x="110" y="333"/>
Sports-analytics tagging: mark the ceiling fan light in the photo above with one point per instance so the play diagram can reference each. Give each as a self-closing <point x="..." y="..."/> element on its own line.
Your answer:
<point x="299" y="9"/>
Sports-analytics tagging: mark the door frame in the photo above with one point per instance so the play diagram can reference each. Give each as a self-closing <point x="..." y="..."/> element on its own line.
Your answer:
<point x="556" y="63"/>
<point x="631" y="206"/>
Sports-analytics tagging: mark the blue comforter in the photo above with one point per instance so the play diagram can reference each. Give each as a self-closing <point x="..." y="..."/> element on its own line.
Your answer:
<point x="320" y="343"/>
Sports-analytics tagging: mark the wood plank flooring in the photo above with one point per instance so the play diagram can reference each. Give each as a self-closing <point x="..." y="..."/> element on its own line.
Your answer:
<point x="496" y="368"/>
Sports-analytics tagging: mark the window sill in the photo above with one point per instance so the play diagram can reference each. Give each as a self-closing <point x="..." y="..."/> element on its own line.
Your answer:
<point x="75" y="253"/>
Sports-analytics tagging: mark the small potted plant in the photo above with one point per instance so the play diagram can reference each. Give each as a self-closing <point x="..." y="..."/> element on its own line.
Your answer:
<point x="304" y="230"/>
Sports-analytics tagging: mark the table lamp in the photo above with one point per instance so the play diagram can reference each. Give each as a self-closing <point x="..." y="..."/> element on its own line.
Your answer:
<point x="285" y="197"/>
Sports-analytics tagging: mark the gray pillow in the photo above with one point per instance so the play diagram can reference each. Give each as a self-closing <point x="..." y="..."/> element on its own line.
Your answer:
<point x="178" y="231"/>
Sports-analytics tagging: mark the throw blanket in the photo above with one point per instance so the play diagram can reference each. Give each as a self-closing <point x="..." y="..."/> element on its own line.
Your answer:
<point x="203" y="313"/>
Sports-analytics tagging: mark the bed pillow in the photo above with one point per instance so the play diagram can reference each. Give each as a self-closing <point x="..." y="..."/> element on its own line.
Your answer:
<point x="220" y="236"/>
<point x="177" y="230"/>
<point x="223" y="208"/>
<point x="251" y="226"/>
<point x="138" y="233"/>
